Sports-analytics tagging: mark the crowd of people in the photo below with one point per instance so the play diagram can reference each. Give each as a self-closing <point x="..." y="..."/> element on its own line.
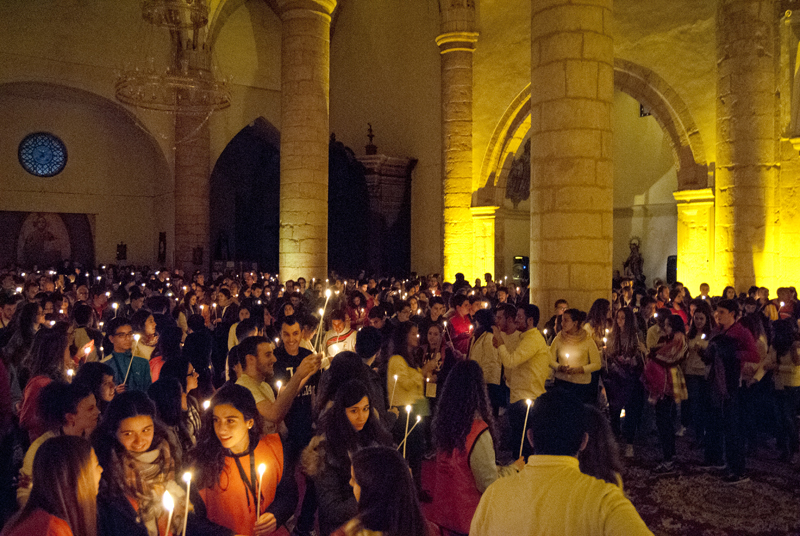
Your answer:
<point x="159" y="403"/>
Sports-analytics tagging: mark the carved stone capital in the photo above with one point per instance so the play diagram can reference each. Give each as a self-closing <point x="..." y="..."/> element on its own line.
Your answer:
<point x="325" y="7"/>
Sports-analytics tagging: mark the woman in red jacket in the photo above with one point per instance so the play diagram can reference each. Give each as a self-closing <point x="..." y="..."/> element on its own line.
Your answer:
<point x="230" y="449"/>
<point x="465" y="455"/>
<point x="63" y="501"/>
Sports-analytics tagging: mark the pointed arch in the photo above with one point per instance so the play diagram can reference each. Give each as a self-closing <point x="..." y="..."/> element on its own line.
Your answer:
<point x="652" y="91"/>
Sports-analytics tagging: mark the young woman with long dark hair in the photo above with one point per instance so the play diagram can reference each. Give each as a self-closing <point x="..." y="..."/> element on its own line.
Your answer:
<point x="143" y="323"/>
<point x="465" y="456"/>
<point x="99" y="378"/>
<point x="348" y="426"/>
<point x="625" y="357"/>
<point x="387" y="503"/>
<point x="139" y="465"/>
<point x="482" y="351"/>
<point x="694" y="369"/>
<point x="62" y="502"/>
<point x="48" y="360"/>
<point x="408" y="390"/>
<point x="230" y="448"/>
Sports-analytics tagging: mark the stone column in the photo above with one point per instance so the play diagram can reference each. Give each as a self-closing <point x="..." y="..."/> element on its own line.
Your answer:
<point x="456" y="44"/>
<point x="746" y="146"/>
<point x="696" y="239"/>
<point x="483" y="225"/>
<point x="305" y="83"/>
<point x="572" y="90"/>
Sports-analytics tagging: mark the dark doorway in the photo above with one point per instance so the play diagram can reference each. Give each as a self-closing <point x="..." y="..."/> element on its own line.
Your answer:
<point x="245" y="198"/>
<point x="348" y="211"/>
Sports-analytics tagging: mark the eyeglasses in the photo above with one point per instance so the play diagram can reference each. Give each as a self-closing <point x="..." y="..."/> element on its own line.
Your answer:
<point x="126" y="334"/>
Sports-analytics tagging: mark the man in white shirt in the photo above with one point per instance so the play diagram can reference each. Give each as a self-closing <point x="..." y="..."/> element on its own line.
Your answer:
<point x="257" y="360"/>
<point x="526" y="368"/>
<point x="550" y="495"/>
<point x="341" y="337"/>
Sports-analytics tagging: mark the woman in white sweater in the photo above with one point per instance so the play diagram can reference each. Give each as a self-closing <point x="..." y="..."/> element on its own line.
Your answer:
<point x="574" y="356"/>
<point x="787" y="387"/>
<point x="485" y="354"/>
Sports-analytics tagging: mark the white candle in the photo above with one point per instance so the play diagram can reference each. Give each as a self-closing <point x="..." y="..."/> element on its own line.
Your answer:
<point x="566" y="360"/>
<point x="391" y="400"/>
<point x="261" y="469"/>
<point x="279" y="384"/>
<point x="169" y="504"/>
<point x="187" y="477"/>
<point x="525" y="425"/>
<point x="403" y="442"/>
<point x="129" y="370"/>
<point x="408" y="416"/>
<point x="322" y="316"/>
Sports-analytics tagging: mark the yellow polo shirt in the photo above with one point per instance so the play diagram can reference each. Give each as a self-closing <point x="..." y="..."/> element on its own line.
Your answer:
<point x="551" y="497"/>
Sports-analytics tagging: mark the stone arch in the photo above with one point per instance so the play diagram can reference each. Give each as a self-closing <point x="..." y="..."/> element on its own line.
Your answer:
<point x="221" y="10"/>
<point x="652" y="91"/>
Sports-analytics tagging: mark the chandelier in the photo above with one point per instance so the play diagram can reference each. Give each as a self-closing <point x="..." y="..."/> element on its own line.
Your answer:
<point x="188" y="86"/>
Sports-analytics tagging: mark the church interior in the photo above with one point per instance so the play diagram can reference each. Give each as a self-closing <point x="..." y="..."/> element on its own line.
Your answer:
<point x="481" y="131"/>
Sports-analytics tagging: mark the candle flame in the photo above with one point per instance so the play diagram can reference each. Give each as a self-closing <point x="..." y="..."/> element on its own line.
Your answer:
<point x="187" y="477"/>
<point x="408" y="409"/>
<point x="261" y="468"/>
<point x="206" y="404"/>
<point x="169" y="504"/>
<point x="529" y="402"/>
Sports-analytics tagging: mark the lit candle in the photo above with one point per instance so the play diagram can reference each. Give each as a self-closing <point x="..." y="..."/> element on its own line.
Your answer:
<point x="408" y="416"/>
<point x="206" y="404"/>
<point x="114" y="306"/>
<point x="403" y="442"/>
<point x="703" y="336"/>
<point x="129" y="370"/>
<point x="70" y="374"/>
<point x="322" y="316"/>
<point x="525" y="425"/>
<point x="279" y="384"/>
<point x="566" y="360"/>
<point x="391" y="400"/>
<point x="545" y="331"/>
<point x="261" y="469"/>
<point x="169" y="504"/>
<point x="86" y="352"/>
<point x="187" y="477"/>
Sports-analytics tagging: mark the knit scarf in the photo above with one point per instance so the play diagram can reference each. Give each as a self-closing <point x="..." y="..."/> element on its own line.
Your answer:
<point x="147" y="476"/>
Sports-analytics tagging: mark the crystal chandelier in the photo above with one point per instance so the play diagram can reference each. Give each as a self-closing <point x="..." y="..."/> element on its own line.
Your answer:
<point x="188" y="86"/>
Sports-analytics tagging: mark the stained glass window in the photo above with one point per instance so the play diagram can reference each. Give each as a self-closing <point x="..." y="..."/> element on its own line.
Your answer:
<point x="42" y="154"/>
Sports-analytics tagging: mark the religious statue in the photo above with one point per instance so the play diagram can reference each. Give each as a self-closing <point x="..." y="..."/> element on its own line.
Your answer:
<point x="634" y="264"/>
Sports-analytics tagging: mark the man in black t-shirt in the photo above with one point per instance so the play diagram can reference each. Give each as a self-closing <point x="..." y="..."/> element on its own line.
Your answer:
<point x="289" y="355"/>
<point x="300" y="419"/>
